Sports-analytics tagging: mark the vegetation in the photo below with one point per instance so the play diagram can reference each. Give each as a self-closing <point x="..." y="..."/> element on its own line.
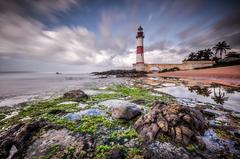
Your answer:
<point x="221" y="48"/>
<point x="90" y="124"/>
<point x="201" y="55"/>
<point x="233" y="54"/>
<point x="135" y="93"/>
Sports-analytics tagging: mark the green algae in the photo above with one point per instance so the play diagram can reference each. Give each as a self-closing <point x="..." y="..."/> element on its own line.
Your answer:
<point x="38" y="110"/>
<point x="53" y="150"/>
<point x="102" y="151"/>
<point x="91" y="124"/>
<point x="129" y="133"/>
<point x="164" y="138"/>
<point x="191" y="147"/>
<point x="102" y="97"/>
<point x="136" y="93"/>
<point x="2" y="116"/>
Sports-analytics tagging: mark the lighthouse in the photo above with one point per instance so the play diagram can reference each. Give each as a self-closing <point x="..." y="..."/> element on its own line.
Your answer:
<point x="139" y="53"/>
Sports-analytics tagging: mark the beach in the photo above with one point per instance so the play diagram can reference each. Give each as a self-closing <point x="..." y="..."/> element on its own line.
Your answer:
<point x="229" y="75"/>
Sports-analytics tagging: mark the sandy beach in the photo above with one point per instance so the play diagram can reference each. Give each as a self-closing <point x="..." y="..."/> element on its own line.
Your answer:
<point x="229" y="75"/>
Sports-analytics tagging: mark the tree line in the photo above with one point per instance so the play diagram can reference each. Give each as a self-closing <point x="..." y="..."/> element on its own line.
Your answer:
<point x="211" y="54"/>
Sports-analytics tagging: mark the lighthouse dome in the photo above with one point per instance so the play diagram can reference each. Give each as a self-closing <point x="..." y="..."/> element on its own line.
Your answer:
<point x="140" y="28"/>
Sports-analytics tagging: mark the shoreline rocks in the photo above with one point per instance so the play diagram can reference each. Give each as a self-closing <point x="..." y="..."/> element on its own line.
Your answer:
<point x="122" y="73"/>
<point x="181" y="123"/>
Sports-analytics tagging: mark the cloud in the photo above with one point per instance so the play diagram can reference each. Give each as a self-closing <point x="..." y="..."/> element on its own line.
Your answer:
<point x="206" y="34"/>
<point x="77" y="45"/>
<point x="49" y="7"/>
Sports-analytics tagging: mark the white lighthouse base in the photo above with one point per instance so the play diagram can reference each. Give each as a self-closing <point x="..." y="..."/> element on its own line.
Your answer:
<point x="139" y="67"/>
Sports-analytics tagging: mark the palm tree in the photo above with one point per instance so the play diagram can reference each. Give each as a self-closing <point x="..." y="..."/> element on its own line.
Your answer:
<point x="221" y="47"/>
<point x="192" y="56"/>
<point x="207" y="54"/>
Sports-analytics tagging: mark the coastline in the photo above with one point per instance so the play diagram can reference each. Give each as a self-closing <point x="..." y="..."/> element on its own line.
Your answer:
<point x="229" y="76"/>
<point x="108" y="115"/>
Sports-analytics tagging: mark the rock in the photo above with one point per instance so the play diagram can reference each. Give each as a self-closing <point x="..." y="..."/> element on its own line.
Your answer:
<point x="139" y="101"/>
<point x="122" y="73"/>
<point x="116" y="154"/>
<point x="63" y="140"/>
<point x="181" y="123"/>
<point x="76" y="95"/>
<point x="168" y="84"/>
<point x="90" y="92"/>
<point x="80" y="114"/>
<point x="157" y="150"/>
<point x="122" y="109"/>
<point x="56" y="111"/>
<point x="213" y="112"/>
<point x="19" y="136"/>
<point x="127" y="112"/>
<point x="235" y="114"/>
<point x="67" y="102"/>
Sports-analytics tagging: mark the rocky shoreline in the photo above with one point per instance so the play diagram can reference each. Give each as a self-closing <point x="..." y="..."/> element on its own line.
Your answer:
<point x="119" y="121"/>
<point x="121" y="73"/>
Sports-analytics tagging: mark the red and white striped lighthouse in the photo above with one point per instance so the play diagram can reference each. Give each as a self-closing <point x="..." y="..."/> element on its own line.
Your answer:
<point x="140" y="57"/>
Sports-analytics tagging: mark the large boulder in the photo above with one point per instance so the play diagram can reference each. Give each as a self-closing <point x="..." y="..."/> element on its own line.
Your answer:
<point x="65" y="144"/>
<point x="76" y="95"/>
<point x="122" y="109"/>
<point x="126" y="112"/>
<point x="14" y="142"/>
<point x="183" y="124"/>
<point x="157" y="150"/>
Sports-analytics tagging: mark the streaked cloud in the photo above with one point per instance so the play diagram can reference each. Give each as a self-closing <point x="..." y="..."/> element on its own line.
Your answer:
<point x="101" y="34"/>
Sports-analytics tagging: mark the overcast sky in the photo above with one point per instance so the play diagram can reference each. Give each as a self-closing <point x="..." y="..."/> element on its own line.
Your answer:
<point x="93" y="35"/>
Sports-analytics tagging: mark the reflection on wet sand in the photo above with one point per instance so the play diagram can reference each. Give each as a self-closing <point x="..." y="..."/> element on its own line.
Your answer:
<point x="193" y="93"/>
<point x="219" y="96"/>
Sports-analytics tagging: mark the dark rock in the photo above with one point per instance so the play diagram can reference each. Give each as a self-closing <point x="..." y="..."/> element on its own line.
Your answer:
<point x="139" y="101"/>
<point x="77" y="95"/>
<point x="116" y="154"/>
<point x="181" y="123"/>
<point x="157" y="150"/>
<point x="56" y="111"/>
<point x="122" y="73"/>
<point x="127" y="112"/>
<point x="19" y="136"/>
<point x="81" y="145"/>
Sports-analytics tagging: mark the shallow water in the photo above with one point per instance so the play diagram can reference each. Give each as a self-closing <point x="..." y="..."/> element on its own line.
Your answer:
<point x="216" y="95"/>
<point x="22" y="87"/>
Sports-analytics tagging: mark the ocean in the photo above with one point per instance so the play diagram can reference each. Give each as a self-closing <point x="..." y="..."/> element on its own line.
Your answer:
<point x="21" y="87"/>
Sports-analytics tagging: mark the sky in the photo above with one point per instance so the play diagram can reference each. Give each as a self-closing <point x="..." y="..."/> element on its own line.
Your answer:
<point x="96" y="35"/>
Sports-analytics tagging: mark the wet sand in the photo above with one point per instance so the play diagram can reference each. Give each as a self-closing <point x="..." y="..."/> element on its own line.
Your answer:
<point x="229" y="75"/>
